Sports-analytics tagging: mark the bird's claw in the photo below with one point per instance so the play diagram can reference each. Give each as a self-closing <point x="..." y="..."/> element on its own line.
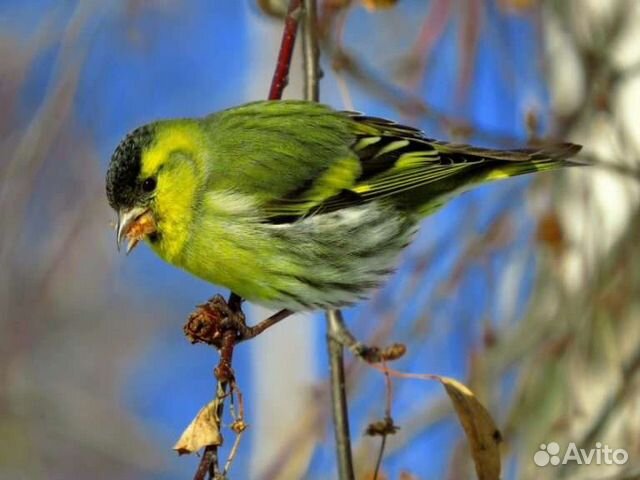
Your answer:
<point x="211" y="320"/>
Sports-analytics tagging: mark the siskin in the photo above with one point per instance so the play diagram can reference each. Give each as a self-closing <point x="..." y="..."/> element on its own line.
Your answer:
<point x="291" y="204"/>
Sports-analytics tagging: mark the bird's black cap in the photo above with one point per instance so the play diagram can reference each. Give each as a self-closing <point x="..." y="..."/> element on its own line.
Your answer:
<point x="123" y="186"/>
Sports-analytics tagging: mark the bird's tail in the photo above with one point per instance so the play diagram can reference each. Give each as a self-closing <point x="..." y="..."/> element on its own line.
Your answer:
<point x="501" y="164"/>
<point x="422" y="173"/>
<point x="480" y="165"/>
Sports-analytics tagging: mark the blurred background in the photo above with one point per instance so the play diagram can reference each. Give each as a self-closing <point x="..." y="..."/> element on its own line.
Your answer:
<point x="526" y="290"/>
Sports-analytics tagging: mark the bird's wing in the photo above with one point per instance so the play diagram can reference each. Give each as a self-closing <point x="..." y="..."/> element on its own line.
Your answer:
<point x="398" y="162"/>
<point x="281" y="150"/>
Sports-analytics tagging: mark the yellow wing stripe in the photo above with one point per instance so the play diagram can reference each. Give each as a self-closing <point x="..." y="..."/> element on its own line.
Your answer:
<point x="365" y="142"/>
<point x="396" y="145"/>
<point x="403" y="181"/>
<point x="415" y="159"/>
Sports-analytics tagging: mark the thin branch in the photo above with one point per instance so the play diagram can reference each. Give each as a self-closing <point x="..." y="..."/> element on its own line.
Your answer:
<point x="209" y="463"/>
<point x="205" y="463"/>
<point x="310" y="53"/>
<point x="232" y="455"/>
<point x="406" y="102"/>
<point x="432" y="29"/>
<point x="387" y="416"/>
<point x="339" y="397"/>
<point x="631" y="472"/>
<point x="369" y="354"/>
<point x="615" y="401"/>
<point x="383" y="445"/>
<point x="281" y="74"/>
<point x="615" y="165"/>
<point x="256" y="330"/>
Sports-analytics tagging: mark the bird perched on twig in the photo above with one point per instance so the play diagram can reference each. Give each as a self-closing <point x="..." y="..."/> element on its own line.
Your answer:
<point x="291" y="204"/>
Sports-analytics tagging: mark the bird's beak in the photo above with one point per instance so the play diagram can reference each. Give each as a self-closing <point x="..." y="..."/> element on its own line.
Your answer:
<point x="134" y="225"/>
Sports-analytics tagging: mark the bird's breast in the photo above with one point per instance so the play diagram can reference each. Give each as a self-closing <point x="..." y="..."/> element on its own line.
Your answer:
<point x="322" y="261"/>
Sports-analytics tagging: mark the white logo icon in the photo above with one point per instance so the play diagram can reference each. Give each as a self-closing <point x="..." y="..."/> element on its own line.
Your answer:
<point x="549" y="454"/>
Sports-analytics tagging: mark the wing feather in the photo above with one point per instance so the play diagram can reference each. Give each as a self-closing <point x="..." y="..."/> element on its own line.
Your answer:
<point x="397" y="160"/>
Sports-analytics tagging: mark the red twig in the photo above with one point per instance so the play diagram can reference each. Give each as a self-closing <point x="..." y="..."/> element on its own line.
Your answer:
<point x="469" y="35"/>
<point x="281" y="74"/>
<point x="432" y="29"/>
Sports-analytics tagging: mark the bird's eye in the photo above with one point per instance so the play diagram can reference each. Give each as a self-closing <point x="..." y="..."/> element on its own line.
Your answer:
<point x="149" y="184"/>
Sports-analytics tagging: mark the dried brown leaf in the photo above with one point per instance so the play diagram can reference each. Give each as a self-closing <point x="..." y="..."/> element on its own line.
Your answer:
<point x="480" y="429"/>
<point x="275" y="8"/>
<point x="518" y="6"/>
<point x="372" y="475"/>
<point x="550" y="232"/>
<point x="378" y="4"/>
<point x="203" y="431"/>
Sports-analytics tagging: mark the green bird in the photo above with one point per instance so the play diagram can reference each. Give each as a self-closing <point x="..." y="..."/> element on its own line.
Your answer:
<point x="291" y="204"/>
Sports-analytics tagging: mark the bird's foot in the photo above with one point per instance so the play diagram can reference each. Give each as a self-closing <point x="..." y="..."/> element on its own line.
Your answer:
<point x="222" y="324"/>
<point x="205" y="324"/>
<point x="211" y="320"/>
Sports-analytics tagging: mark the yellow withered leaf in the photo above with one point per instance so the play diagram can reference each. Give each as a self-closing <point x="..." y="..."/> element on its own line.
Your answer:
<point x="378" y="4"/>
<point x="275" y="8"/>
<point x="202" y="432"/>
<point x="518" y="5"/>
<point x="480" y="429"/>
